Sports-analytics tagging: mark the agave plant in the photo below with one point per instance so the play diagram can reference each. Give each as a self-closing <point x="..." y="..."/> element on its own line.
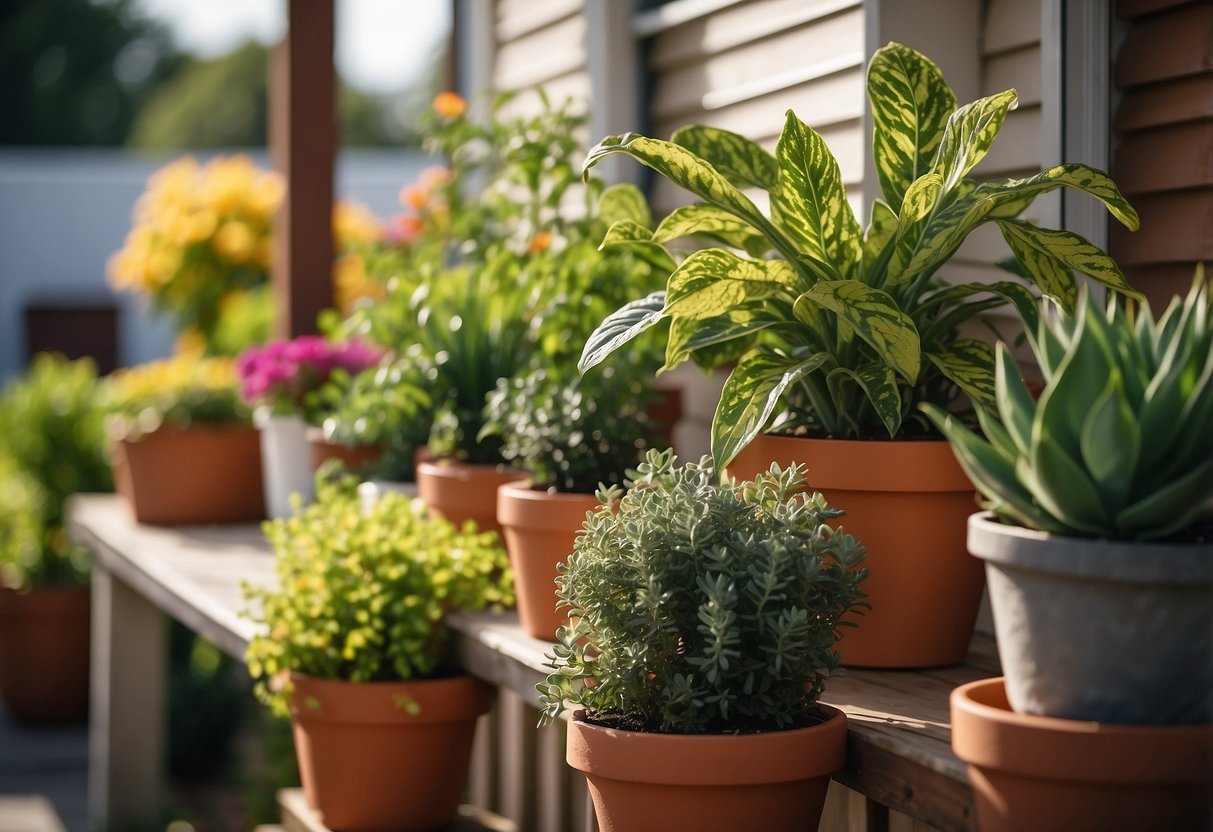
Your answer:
<point x="843" y="331"/>
<point x="1119" y="445"/>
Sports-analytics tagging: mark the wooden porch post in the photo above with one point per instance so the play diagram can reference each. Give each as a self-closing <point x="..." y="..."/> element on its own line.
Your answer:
<point x="303" y="142"/>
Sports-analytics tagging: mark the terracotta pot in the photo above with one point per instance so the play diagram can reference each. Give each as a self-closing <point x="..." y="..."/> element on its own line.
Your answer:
<point x="1113" y="631"/>
<point x="665" y="412"/>
<point x="907" y="502"/>
<point x="539" y="531"/>
<point x="44" y="651"/>
<point x="772" y="781"/>
<point x="200" y="474"/>
<point x="355" y="459"/>
<point x="368" y="764"/>
<point x="462" y="492"/>
<point x="1041" y="773"/>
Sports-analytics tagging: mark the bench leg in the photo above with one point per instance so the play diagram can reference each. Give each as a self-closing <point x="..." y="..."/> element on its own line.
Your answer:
<point x="127" y="707"/>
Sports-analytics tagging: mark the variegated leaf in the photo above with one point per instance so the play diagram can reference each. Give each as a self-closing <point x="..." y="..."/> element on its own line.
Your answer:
<point x="1089" y="180"/>
<point x="636" y="238"/>
<point x="749" y="397"/>
<point x="969" y="364"/>
<point x="622" y="326"/>
<point x="921" y="198"/>
<point x="911" y="103"/>
<point x="878" y="243"/>
<point x="810" y="204"/>
<point x="968" y="135"/>
<point x="710" y="221"/>
<point x="880" y="389"/>
<point x="742" y="161"/>
<point x="876" y="318"/>
<point x="689" y="171"/>
<point x="1032" y="244"/>
<point x="946" y="298"/>
<point x="689" y="335"/>
<point x="624" y="202"/>
<point x="712" y="281"/>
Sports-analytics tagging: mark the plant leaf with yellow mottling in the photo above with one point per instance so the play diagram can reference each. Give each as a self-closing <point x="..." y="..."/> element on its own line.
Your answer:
<point x="969" y="364"/>
<point x="621" y="326"/>
<point x="742" y="161"/>
<point x="968" y="135"/>
<point x="1052" y="255"/>
<point x="911" y="103"/>
<point x="713" y="222"/>
<point x="712" y="281"/>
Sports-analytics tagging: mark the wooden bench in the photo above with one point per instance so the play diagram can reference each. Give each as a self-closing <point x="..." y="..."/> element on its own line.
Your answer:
<point x="901" y="771"/>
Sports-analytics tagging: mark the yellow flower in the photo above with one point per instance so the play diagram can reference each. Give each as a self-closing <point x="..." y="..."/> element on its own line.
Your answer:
<point x="234" y="242"/>
<point x="227" y="183"/>
<point x="353" y="223"/>
<point x="266" y="195"/>
<point x="351" y="283"/>
<point x="449" y="106"/>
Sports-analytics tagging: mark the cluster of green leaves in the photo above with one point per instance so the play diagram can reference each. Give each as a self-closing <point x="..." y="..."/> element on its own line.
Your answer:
<point x="571" y="434"/>
<point x="386" y="406"/>
<point x="703" y="608"/>
<point x="511" y="281"/>
<point x="52" y="445"/>
<point x="363" y="595"/>
<point x="1120" y="444"/>
<point x="843" y="331"/>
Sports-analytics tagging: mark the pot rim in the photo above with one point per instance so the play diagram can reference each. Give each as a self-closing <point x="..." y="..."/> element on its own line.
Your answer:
<point x="986" y="733"/>
<point x="1114" y="561"/>
<point x="448" y="699"/>
<point x="722" y="759"/>
<point x="449" y="469"/>
<point x="521" y="505"/>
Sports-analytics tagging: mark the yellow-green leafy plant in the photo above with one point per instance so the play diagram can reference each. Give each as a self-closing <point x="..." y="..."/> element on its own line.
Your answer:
<point x="837" y="330"/>
<point x="52" y="445"/>
<point x="363" y="596"/>
<point x="702" y="607"/>
<point x="1120" y="443"/>
<point x="177" y="391"/>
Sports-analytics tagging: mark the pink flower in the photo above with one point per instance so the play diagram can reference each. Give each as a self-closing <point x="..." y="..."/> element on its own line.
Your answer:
<point x="281" y="374"/>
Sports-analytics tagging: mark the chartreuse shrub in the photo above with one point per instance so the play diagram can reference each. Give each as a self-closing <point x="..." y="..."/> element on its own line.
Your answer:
<point x="362" y="596"/>
<point x="52" y="445"/>
<point x="1120" y="444"/>
<point x="703" y="608"/>
<point x="178" y="391"/>
<point x="836" y="329"/>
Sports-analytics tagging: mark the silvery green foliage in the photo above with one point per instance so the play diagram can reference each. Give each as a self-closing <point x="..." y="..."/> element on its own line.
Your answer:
<point x="1120" y="443"/>
<point x="703" y="608"/>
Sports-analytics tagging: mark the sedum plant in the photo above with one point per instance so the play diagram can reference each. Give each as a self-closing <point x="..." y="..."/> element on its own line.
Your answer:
<point x="571" y="434"/>
<point x="703" y="608"/>
<point x="52" y="445"/>
<point x="1120" y="444"/>
<point x="362" y="596"/>
<point x="835" y="329"/>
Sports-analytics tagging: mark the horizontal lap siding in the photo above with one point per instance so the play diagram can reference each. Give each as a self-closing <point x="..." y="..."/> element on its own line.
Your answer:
<point x="1011" y="59"/>
<point x="541" y="45"/>
<point x="1163" y="157"/>
<point x="741" y="67"/>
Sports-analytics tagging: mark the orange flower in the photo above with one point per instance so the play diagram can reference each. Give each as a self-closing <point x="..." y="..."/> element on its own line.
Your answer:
<point x="405" y="229"/>
<point x="449" y="106"/>
<point x="434" y="176"/>
<point x="414" y="196"/>
<point x="540" y="242"/>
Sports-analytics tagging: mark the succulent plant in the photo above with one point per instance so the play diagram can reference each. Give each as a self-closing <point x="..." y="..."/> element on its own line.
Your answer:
<point x="571" y="433"/>
<point x="703" y="608"/>
<point x="363" y="594"/>
<point x="1120" y="444"/>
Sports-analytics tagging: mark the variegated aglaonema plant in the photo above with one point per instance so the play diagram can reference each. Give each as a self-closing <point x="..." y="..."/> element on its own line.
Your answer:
<point x="833" y="329"/>
<point x="1120" y="444"/>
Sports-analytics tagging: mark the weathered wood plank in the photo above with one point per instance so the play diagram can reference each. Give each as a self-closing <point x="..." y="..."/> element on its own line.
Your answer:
<point x="298" y="816"/>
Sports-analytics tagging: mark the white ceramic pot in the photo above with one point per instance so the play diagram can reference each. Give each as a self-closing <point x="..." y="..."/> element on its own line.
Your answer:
<point x="286" y="460"/>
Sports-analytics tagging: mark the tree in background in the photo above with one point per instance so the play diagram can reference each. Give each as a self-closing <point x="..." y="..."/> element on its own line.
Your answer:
<point x="76" y="72"/>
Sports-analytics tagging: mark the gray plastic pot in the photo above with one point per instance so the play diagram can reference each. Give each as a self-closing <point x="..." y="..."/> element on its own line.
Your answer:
<point x="1100" y="630"/>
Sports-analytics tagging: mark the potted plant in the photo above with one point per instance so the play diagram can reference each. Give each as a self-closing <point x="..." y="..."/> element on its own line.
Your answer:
<point x="182" y="448"/>
<point x="52" y="444"/>
<point x="705" y="627"/>
<point x="839" y="334"/>
<point x="572" y="436"/>
<point x="283" y="380"/>
<point x="355" y="649"/>
<point x="1098" y="549"/>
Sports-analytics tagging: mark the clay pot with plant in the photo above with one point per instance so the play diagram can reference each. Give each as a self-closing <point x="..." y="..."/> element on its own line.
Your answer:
<point x="52" y="445"/>
<point x="356" y="650"/>
<point x="837" y="333"/>
<point x="572" y="436"/>
<point x="1098" y="550"/>
<point x="182" y="448"/>
<point x="706" y="618"/>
